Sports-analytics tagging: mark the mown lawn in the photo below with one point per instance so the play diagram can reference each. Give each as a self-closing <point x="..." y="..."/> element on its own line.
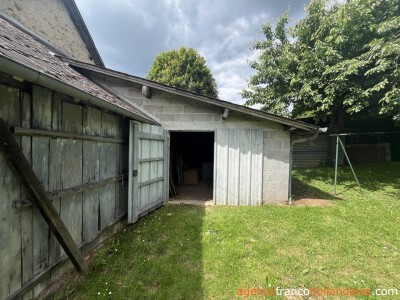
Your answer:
<point x="190" y="252"/>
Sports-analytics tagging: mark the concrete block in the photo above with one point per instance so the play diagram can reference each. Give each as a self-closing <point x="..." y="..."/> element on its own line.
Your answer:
<point x="272" y="126"/>
<point x="279" y="155"/>
<point x="286" y="144"/>
<point x="204" y="117"/>
<point x="267" y="134"/>
<point x="159" y="100"/>
<point x="194" y="117"/>
<point x="278" y="134"/>
<point x="218" y="117"/>
<point x="272" y="164"/>
<point x="154" y="109"/>
<point x="275" y="175"/>
<point x="268" y="176"/>
<point x="135" y="101"/>
<point x="237" y="116"/>
<point x="197" y="108"/>
<point x="276" y="197"/>
<point x="175" y="109"/>
<point x="284" y="185"/>
<point x="166" y="117"/>
<point x="272" y="145"/>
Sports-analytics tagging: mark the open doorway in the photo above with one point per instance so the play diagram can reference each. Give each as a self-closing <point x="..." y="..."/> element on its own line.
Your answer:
<point x="191" y="166"/>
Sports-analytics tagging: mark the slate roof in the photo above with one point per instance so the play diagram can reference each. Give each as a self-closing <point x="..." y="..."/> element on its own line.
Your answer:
<point x="20" y="47"/>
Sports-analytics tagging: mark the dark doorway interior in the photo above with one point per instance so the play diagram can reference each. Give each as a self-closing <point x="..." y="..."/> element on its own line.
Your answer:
<point x="191" y="165"/>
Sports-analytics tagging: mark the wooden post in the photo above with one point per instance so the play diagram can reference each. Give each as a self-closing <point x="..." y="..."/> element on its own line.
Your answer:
<point x="24" y="171"/>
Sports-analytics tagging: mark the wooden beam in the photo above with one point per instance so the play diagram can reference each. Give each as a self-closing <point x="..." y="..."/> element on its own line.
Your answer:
<point x="17" y="161"/>
<point x="151" y="181"/>
<point x="26" y="202"/>
<point x="149" y="136"/>
<point x="85" y="187"/>
<point x="65" y="135"/>
<point x="151" y="159"/>
<point x="225" y="114"/>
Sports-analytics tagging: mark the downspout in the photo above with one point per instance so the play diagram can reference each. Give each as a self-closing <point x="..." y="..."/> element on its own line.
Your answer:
<point x="298" y="141"/>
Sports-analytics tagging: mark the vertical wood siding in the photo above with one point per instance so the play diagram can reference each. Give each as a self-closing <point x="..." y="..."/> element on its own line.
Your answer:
<point x="238" y="166"/>
<point x="148" y="188"/>
<point x="10" y="221"/>
<point x="27" y="246"/>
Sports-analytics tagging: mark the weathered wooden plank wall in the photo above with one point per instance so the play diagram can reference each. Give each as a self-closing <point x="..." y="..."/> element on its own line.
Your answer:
<point x="26" y="214"/>
<point x="10" y="188"/>
<point x="91" y="172"/>
<point x="150" y="167"/>
<point x="238" y="166"/>
<point x="148" y="190"/>
<point x="41" y="119"/>
<point x="59" y="163"/>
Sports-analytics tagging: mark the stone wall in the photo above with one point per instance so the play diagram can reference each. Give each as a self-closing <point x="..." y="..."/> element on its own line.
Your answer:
<point x="50" y="20"/>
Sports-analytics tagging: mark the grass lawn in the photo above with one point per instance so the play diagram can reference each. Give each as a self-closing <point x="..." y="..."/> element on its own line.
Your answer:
<point x="191" y="252"/>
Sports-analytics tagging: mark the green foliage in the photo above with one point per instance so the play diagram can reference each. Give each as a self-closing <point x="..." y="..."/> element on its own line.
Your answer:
<point x="184" y="69"/>
<point x="342" y="58"/>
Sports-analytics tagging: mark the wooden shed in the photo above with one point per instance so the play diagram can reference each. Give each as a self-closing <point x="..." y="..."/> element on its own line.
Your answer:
<point x="74" y="139"/>
<point x="82" y="147"/>
<point x="248" y="150"/>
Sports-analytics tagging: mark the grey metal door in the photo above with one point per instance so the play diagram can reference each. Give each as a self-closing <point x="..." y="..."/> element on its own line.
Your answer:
<point x="238" y="159"/>
<point x="148" y="179"/>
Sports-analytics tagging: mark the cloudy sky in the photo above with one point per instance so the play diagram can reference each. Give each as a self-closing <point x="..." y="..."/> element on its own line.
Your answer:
<point x="130" y="33"/>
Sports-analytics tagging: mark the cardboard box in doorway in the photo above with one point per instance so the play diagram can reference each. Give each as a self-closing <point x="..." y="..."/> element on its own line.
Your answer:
<point x="191" y="176"/>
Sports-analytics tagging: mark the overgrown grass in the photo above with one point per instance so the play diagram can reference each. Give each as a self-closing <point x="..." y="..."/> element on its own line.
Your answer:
<point x="188" y="252"/>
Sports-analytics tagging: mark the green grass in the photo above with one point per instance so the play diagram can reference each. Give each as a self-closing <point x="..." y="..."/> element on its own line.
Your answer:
<point x="188" y="252"/>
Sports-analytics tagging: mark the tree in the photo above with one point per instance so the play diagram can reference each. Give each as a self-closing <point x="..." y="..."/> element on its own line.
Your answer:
<point x="184" y="69"/>
<point x="341" y="59"/>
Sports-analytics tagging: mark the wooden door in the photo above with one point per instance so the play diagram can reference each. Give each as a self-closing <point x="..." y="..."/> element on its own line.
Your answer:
<point x="148" y="164"/>
<point x="238" y="159"/>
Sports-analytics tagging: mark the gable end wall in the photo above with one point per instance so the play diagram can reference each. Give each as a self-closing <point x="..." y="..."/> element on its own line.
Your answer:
<point x="50" y="20"/>
<point x="177" y="113"/>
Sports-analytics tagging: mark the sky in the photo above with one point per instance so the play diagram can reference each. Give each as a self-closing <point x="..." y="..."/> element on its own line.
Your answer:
<point x="130" y="33"/>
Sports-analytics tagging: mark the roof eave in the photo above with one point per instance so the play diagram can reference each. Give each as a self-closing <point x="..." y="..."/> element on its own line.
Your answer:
<point x="221" y="103"/>
<point x="29" y="74"/>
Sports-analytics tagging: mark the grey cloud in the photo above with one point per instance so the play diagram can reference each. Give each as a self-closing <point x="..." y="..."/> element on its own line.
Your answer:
<point x="130" y="33"/>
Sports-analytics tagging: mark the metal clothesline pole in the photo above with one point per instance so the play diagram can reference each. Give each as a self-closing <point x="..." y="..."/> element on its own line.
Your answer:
<point x="336" y="165"/>
<point x="364" y="133"/>
<point x="339" y="141"/>
<point x="351" y="167"/>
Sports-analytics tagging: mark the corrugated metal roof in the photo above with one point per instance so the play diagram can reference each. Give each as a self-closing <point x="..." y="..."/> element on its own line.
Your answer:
<point x="18" y="46"/>
<point x="84" y="67"/>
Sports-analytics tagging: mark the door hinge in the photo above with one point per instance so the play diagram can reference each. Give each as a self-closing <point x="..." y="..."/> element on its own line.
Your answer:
<point x="135" y="173"/>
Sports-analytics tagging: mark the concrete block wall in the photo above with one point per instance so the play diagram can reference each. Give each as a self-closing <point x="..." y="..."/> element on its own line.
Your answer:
<point x="178" y="113"/>
<point x="276" y="166"/>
